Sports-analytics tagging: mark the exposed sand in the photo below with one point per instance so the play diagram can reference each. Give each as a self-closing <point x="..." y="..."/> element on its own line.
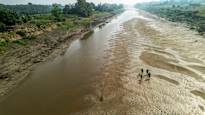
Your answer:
<point x="176" y="62"/>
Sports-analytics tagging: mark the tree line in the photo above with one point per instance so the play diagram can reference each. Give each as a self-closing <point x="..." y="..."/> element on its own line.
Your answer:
<point x="86" y="9"/>
<point x="14" y="14"/>
<point x="185" y="11"/>
<point x="30" y="8"/>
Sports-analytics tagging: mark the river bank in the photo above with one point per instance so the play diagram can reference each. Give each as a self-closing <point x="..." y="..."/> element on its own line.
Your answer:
<point x="19" y="60"/>
<point x="192" y="15"/>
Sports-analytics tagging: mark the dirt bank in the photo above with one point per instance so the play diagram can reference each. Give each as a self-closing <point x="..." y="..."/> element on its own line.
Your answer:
<point x="17" y="63"/>
<point x="20" y="60"/>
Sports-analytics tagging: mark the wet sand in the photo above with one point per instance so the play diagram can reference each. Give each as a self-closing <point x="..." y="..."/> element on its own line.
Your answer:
<point x="176" y="62"/>
<point x="111" y="86"/>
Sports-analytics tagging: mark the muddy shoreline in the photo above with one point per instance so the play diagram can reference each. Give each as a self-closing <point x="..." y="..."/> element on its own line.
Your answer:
<point x="19" y="61"/>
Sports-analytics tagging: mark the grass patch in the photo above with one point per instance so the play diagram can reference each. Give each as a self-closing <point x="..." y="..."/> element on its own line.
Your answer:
<point x="19" y="42"/>
<point x="67" y="25"/>
<point x="4" y="43"/>
<point x="24" y="40"/>
<point x="84" y="22"/>
<point x="100" y="14"/>
<point x="43" y="16"/>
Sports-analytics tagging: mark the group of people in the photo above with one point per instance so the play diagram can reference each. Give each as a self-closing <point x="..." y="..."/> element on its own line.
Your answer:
<point x="146" y="74"/>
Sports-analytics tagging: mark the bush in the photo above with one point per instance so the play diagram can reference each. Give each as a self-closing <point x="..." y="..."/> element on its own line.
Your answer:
<point x="21" y="33"/>
<point x="4" y="43"/>
<point x="25" y="18"/>
<point x="2" y="27"/>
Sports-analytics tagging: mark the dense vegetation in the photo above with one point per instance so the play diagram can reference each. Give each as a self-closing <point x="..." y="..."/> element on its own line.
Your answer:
<point x="7" y="18"/>
<point x="82" y="8"/>
<point x="30" y="8"/>
<point x="191" y="12"/>
<point x="42" y="15"/>
<point x="20" y="23"/>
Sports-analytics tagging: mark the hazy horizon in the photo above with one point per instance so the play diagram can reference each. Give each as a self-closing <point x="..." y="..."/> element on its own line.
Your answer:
<point x="63" y="2"/>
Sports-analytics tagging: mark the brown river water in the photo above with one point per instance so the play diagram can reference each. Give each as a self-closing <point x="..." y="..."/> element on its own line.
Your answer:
<point x="98" y="76"/>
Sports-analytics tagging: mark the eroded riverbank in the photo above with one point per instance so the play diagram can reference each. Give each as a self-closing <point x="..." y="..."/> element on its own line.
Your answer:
<point x="18" y="61"/>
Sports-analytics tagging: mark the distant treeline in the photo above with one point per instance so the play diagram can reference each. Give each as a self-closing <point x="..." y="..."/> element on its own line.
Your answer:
<point x="191" y="12"/>
<point x="14" y="14"/>
<point x="86" y="9"/>
<point x="67" y="9"/>
<point x="182" y="1"/>
<point x="30" y="8"/>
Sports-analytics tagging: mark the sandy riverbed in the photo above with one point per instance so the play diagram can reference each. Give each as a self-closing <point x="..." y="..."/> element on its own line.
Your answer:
<point x="174" y="54"/>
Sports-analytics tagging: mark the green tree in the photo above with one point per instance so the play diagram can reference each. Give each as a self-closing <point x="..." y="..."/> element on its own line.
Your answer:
<point x="30" y="8"/>
<point x="8" y="17"/>
<point x="83" y="8"/>
<point x="30" y="3"/>
<point x="69" y="9"/>
<point x="2" y="27"/>
<point x="108" y="7"/>
<point x="56" y="12"/>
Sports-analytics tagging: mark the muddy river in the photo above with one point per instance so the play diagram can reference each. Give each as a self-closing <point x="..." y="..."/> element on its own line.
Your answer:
<point x="99" y="75"/>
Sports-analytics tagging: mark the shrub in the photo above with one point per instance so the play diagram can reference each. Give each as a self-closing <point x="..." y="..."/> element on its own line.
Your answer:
<point x="25" y="18"/>
<point x="4" y="43"/>
<point x="21" y="33"/>
<point x="2" y="27"/>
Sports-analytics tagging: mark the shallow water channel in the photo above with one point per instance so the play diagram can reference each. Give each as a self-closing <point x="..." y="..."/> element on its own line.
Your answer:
<point x="58" y="87"/>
